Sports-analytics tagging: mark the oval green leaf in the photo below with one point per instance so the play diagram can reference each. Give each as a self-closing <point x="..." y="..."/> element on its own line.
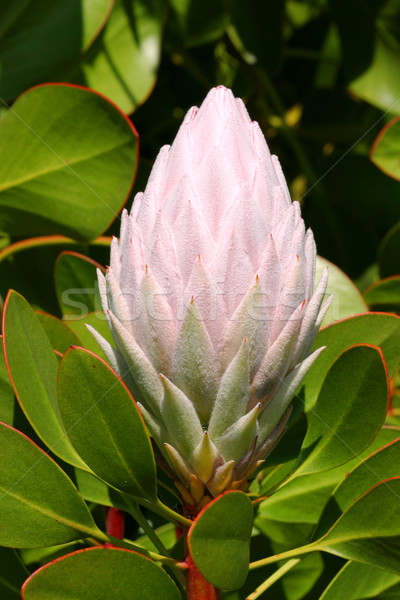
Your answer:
<point x="385" y="152"/>
<point x="32" y="367"/>
<point x="67" y="163"/>
<point x="104" y="424"/>
<point x="122" y="63"/>
<point x="356" y="384"/>
<point x="377" y="85"/>
<point x="76" y="284"/>
<point x="60" y="335"/>
<point x="39" y="504"/>
<point x="369" y="531"/>
<point x="377" y="329"/>
<point x="219" y="540"/>
<point x="101" y="574"/>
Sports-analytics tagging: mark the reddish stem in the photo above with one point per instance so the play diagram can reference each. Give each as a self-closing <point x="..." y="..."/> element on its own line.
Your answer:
<point x="115" y="523"/>
<point x="198" y="588"/>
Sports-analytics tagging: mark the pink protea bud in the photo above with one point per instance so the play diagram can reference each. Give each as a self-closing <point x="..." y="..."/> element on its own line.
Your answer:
<point x="210" y="298"/>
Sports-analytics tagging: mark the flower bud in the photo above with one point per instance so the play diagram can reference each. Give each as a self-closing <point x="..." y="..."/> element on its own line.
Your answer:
<point x="210" y="299"/>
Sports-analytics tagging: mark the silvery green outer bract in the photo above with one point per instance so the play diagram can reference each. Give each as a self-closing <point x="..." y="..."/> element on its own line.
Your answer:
<point x="210" y="298"/>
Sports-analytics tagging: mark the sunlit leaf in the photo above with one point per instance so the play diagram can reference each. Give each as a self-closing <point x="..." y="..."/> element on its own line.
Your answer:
<point x="67" y="163"/>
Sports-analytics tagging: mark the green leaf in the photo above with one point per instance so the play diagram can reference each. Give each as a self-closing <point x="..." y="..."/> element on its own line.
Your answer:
<point x="369" y="531"/>
<point x="94" y="490"/>
<point x="375" y="329"/>
<point x="39" y="504"/>
<point x="385" y="151"/>
<point x="32" y="367"/>
<point x="356" y="581"/>
<point x="347" y="299"/>
<point x="385" y="294"/>
<point x="12" y="574"/>
<point x="377" y="84"/>
<point x="122" y="63"/>
<point x="39" y="39"/>
<point x="389" y="252"/>
<point x="76" y="284"/>
<point x="60" y="335"/>
<point x="101" y="574"/>
<point x="98" y="321"/>
<point x="381" y="465"/>
<point x="357" y="383"/>
<point x="219" y="540"/>
<point x="67" y="163"/>
<point x="303" y="499"/>
<point x="104" y="424"/>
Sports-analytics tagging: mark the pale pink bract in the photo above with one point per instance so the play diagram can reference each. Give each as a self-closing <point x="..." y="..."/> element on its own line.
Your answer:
<point x="211" y="285"/>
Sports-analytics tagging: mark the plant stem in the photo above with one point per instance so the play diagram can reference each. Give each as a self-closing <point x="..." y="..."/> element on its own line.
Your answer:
<point x="134" y="510"/>
<point x="289" y="554"/>
<point x="198" y="588"/>
<point x="164" y="511"/>
<point x="273" y="578"/>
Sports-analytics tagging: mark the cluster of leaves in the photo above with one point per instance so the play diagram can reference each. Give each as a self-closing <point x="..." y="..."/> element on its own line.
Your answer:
<point x="321" y="78"/>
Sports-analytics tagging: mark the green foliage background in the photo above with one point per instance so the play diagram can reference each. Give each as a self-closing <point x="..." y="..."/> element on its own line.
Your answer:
<point x="322" y="79"/>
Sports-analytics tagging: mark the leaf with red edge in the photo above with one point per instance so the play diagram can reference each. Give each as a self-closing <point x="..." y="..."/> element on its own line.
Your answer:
<point x="67" y="162"/>
<point x="39" y="504"/>
<point x="219" y="540"/>
<point x="60" y="335"/>
<point x="379" y="466"/>
<point x="32" y="367"/>
<point x="385" y="151"/>
<point x="356" y="384"/>
<point x="100" y="574"/>
<point x="369" y="530"/>
<point x="377" y="329"/>
<point x="104" y="424"/>
<point x="123" y="61"/>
